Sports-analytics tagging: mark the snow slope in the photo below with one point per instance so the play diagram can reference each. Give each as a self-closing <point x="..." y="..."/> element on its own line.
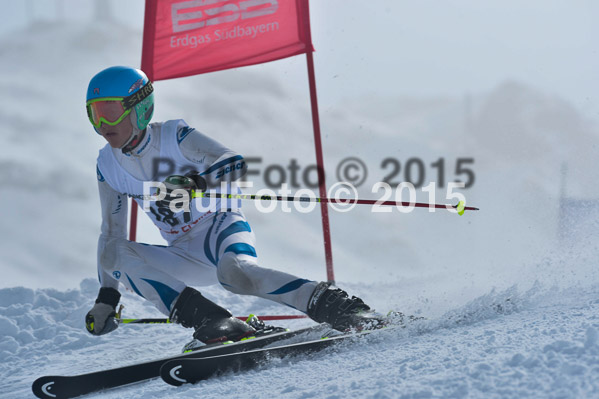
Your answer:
<point x="431" y="264"/>
<point x="544" y="344"/>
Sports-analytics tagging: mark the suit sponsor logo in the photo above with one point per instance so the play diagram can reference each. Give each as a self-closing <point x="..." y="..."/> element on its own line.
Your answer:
<point x="228" y="169"/>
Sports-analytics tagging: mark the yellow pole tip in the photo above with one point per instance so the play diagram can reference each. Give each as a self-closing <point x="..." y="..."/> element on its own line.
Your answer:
<point x="461" y="206"/>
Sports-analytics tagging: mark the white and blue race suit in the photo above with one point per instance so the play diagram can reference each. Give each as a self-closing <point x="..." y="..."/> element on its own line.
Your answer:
<point x="207" y="245"/>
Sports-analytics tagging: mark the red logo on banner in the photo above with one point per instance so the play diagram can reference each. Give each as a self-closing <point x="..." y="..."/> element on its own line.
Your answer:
<point x="189" y="37"/>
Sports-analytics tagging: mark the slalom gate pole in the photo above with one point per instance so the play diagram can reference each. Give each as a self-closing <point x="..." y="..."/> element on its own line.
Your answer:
<point x="133" y="221"/>
<point x="460" y="207"/>
<point x="168" y="321"/>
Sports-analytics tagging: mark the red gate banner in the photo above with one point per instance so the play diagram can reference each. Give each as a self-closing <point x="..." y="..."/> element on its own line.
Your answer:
<point x="190" y="37"/>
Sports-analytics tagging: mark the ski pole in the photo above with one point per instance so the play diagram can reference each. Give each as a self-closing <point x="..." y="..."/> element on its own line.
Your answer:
<point x="460" y="207"/>
<point x="145" y="321"/>
<point x="167" y="321"/>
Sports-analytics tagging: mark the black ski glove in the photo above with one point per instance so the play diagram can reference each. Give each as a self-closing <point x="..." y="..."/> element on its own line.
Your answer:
<point x="190" y="182"/>
<point x="101" y="319"/>
<point x="199" y="181"/>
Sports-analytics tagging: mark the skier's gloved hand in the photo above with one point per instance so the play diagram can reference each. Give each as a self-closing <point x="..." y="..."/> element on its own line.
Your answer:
<point x="101" y="319"/>
<point x="199" y="181"/>
<point x="188" y="184"/>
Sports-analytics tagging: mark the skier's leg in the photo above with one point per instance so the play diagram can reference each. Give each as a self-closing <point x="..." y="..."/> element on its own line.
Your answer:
<point x="143" y="269"/>
<point x="233" y="248"/>
<point x="240" y="274"/>
<point x="156" y="273"/>
<point x="229" y="245"/>
<point x="321" y="301"/>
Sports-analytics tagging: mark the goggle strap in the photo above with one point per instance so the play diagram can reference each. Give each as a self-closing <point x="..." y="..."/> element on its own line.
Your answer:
<point x="137" y="97"/>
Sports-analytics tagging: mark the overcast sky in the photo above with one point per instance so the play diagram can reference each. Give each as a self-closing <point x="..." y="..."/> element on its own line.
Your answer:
<point x="418" y="48"/>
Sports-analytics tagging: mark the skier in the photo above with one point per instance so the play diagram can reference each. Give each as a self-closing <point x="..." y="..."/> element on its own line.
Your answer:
<point x="204" y="246"/>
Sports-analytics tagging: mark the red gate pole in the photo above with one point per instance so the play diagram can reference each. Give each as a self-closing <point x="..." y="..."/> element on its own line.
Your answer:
<point x="133" y="223"/>
<point x="322" y="187"/>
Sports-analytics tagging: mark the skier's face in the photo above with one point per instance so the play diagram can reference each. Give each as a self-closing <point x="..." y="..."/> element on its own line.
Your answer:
<point x="117" y="135"/>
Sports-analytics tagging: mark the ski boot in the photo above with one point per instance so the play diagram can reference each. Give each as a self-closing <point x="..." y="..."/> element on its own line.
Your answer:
<point x="212" y="323"/>
<point x="335" y="307"/>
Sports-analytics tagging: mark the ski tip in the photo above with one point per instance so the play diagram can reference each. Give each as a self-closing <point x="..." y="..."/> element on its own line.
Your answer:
<point x="43" y="388"/>
<point x="171" y="374"/>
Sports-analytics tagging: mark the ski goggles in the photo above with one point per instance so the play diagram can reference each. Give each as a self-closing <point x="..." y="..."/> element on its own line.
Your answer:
<point x="112" y="110"/>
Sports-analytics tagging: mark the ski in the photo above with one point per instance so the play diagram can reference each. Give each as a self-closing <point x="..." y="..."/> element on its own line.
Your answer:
<point x="191" y="370"/>
<point x="62" y="387"/>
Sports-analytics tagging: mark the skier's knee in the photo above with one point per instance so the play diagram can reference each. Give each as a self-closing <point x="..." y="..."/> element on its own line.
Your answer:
<point x="233" y="273"/>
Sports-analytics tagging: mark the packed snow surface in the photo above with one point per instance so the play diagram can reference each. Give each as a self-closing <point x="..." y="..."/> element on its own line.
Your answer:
<point x="539" y="344"/>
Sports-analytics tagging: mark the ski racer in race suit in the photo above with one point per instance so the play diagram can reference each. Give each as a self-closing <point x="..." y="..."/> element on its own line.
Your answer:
<point x="204" y="246"/>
